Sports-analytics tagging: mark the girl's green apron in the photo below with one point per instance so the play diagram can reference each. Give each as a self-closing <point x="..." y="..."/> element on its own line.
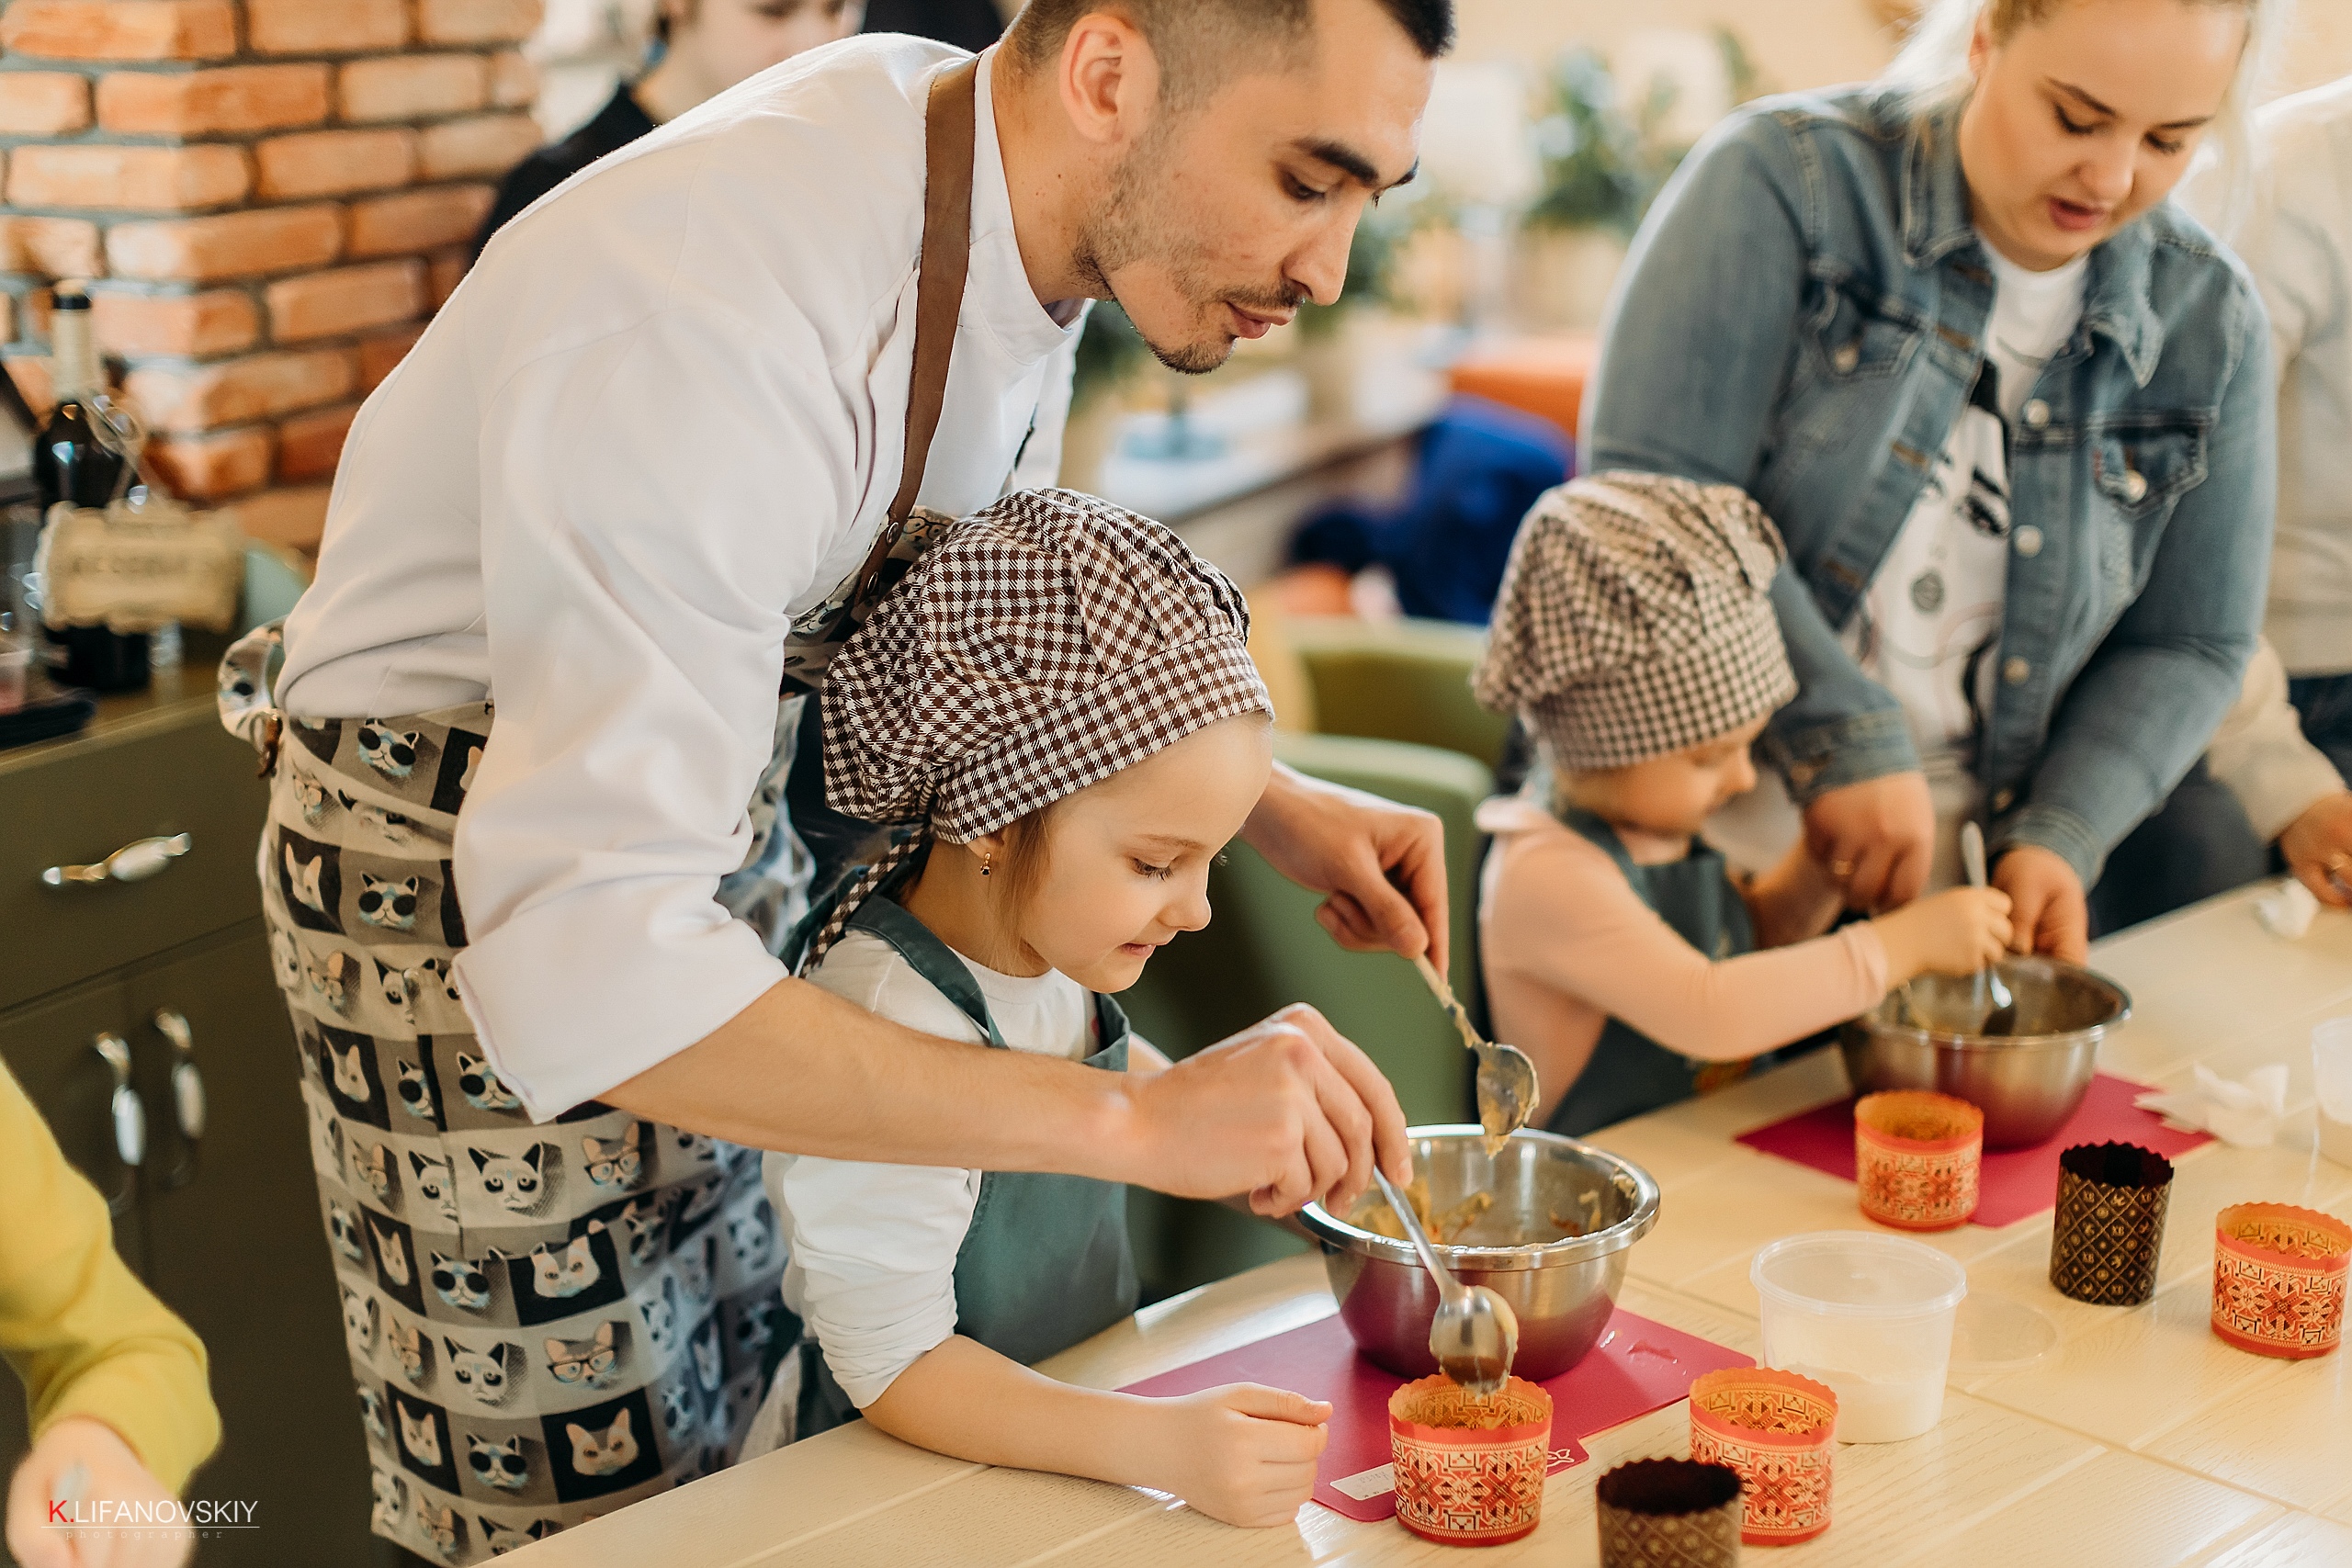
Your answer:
<point x="1046" y="1262"/>
<point x="1629" y="1072"/>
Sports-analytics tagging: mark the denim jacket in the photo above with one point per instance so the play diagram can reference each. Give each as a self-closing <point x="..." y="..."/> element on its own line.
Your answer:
<point x="1801" y="316"/>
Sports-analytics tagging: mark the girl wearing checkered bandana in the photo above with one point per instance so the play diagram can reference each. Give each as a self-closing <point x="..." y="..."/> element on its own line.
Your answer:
<point x="1059" y="711"/>
<point x="1635" y="639"/>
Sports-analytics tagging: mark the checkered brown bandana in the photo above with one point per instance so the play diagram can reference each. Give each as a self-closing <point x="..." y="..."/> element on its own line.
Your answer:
<point x="1049" y="641"/>
<point x="1635" y="619"/>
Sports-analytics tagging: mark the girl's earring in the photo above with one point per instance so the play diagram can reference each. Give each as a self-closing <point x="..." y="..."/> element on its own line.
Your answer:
<point x="988" y="862"/>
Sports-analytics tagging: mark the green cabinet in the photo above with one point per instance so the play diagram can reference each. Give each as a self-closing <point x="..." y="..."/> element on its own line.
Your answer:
<point x="217" y="1212"/>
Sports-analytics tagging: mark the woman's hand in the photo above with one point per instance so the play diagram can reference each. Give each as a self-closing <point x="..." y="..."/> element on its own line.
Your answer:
<point x="1876" y="838"/>
<point x="2318" y="847"/>
<point x="1957" y="931"/>
<point x="1242" y="1453"/>
<point x="1383" y="864"/>
<point x="2048" y="911"/>
<point x="82" y="1460"/>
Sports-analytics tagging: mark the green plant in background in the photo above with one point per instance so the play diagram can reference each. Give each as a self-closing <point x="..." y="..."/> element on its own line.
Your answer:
<point x="1108" y="351"/>
<point x="1604" y="159"/>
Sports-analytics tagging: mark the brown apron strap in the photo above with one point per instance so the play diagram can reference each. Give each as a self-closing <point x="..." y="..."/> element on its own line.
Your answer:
<point x="948" y="130"/>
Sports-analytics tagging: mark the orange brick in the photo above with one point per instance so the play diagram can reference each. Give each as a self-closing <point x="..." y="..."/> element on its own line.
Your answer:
<point x="477" y="21"/>
<point x="30" y="373"/>
<point x="233" y="391"/>
<point x="513" y="80"/>
<point x="448" y="270"/>
<point x="8" y="319"/>
<point x="204" y="103"/>
<point x="205" y="467"/>
<point x="348" y="300"/>
<point x="325" y="26"/>
<point x="308" y="445"/>
<point x="120" y="29"/>
<point x="409" y="86"/>
<point x="43" y="103"/>
<point x="234" y="244"/>
<point x="417" y="221"/>
<point x="294" y="517"/>
<point x="485" y="144"/>
<point x="54" y="247"/>
<point x="220" y="321"/>
<point x="147" y="178"/>
<point x="380" y="356"/>
<point x="331" y="163"/>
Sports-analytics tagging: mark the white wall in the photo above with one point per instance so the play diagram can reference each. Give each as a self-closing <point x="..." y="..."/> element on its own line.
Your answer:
<point x="1805" y="43"/>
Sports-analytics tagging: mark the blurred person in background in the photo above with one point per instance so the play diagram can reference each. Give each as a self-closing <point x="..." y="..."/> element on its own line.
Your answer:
<point x="701" y="48"/>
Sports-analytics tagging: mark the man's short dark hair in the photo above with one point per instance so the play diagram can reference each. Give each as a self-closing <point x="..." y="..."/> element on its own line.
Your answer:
<point x="1194" y="38"/>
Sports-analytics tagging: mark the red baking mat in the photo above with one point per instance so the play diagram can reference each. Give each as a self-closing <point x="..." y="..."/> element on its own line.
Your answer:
<point x="1638" y="1367"/>
<point x="2016" y="1184"/>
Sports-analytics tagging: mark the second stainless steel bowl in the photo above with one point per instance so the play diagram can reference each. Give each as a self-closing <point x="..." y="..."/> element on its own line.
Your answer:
<point x="2026" y="1083"/>
<point x="1562" y="1292"/>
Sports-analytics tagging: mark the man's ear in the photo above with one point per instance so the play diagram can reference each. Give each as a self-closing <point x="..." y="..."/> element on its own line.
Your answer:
<point x="1108" y="79"/>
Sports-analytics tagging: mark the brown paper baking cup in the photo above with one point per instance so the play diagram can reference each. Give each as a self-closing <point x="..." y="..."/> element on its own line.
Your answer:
<point x="1668" y="1513"/>
<point x="2111" y="1225"/>
<point x="2278" y="1279"/>
<point x="1917" y="1158"/>
<point x="1470" y="1472"/>
<point x="1775" y="1428"/>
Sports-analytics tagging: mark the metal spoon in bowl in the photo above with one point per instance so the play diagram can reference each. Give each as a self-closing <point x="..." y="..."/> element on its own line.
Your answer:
<point x="1507" y="1089"/>
<point x="1474" y="1334"/>
<point x="2002" y="1019"/>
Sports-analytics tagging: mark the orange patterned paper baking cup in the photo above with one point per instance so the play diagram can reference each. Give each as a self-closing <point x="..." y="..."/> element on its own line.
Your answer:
<point x="1775" y="1428"/>
<point x="1470" y="1472"/>
<point x="1917" y="1158"/>
<point x="2278" y="1279"/>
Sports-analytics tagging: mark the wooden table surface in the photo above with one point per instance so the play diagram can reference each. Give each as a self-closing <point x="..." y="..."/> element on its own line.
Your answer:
<point x="2141" y="1439"/>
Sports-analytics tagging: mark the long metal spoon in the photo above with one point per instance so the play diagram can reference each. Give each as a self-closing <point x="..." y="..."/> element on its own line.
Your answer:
<point x="2002" y="1017"/>
<point x="1474" y="1334"/>
<point x="1506" y="1087"/>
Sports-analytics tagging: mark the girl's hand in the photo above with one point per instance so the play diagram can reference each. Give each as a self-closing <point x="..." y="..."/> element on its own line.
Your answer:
<point x="1242" y="1453"/>
<point x="2051" y="913"/>
<point x="1955" y="932"/>
<point x="82" y="1459"/>
<point x="2318" y="847"/>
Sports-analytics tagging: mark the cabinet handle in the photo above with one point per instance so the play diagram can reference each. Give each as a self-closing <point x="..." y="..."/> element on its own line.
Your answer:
<point x="132" y="863"/>
<point x="187" y="1084"/>
<point x="130" y="1114"/>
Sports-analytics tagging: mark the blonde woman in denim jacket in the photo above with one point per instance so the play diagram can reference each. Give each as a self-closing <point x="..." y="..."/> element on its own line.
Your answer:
<point x="1805" y="314"/>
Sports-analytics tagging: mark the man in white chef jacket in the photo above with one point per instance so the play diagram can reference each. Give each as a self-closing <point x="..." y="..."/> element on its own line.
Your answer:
<point x="662" y="418"/>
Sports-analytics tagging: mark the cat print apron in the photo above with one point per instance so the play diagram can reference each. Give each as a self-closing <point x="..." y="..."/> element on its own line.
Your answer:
<point x="547" y="1322"/>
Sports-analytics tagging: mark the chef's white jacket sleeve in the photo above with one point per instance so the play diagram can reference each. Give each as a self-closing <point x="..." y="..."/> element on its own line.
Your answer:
<point x="652" y="500"/>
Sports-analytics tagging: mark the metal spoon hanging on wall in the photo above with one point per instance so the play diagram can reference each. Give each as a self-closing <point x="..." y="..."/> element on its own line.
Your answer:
<point x="1506" y="1090"/>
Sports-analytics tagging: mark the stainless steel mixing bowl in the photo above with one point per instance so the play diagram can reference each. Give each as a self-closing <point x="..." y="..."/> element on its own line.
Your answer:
<point x="2026" y="1083"/>
<point x="1562" y="1292"/>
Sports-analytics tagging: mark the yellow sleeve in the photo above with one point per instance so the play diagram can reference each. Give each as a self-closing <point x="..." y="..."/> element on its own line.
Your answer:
<point x="85" y="1336"/>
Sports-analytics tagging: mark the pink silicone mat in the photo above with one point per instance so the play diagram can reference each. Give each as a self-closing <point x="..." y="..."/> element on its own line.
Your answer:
<point x="2015" y="1184"/>
<point x="1638" y="1367"/>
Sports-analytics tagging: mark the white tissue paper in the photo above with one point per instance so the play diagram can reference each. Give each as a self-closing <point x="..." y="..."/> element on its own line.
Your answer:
<point x="2288" y="911"/>
<point x="2244" y="1113"/>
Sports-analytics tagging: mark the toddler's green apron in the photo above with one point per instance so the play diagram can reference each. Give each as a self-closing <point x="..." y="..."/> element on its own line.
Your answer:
<point x="1046" y="1262"/>
<point x="1629" y="1072"/>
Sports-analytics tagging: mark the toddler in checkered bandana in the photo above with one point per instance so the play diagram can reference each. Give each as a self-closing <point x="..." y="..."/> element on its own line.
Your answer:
<point x="1634" y="639"/>
<point x="1057" y="709"/>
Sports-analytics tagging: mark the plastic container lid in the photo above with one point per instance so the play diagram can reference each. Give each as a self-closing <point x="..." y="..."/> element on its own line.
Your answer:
<point x="1858" y="1274"/>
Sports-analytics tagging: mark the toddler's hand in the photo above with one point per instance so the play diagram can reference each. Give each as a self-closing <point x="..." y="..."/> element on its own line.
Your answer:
<point x="80" y="1459"/>
<point x="1244" y="1453"/>
<point x="1955" y="932"/>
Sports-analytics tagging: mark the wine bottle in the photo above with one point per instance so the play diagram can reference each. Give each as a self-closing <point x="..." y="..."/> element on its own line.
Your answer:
<point x="71" y="464"/>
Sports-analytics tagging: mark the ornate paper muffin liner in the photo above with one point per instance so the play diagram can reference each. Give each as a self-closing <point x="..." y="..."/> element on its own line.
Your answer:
<point x="1670" y="1513"/>
<point x="1917" y="1158"/>
<point x="1469" y="1484"/>
<point x="1775" y="1428"/>
<point x="2278" y="1279"/>
<point x="2110" y="1224"/>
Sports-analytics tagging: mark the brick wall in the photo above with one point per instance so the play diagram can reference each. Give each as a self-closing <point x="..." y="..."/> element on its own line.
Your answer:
<point x="270" y="197"/>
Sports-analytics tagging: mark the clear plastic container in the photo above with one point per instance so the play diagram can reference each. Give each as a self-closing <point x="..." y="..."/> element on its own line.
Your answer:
<point x="1869" y="1314"/>
<point x="2332" y="1074"/>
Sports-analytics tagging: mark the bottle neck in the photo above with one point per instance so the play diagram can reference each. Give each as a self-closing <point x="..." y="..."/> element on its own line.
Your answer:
<point x="74" y="357"/>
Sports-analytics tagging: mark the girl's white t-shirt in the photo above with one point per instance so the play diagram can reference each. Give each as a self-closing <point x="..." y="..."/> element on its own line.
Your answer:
<point x="872" y="1247"/>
